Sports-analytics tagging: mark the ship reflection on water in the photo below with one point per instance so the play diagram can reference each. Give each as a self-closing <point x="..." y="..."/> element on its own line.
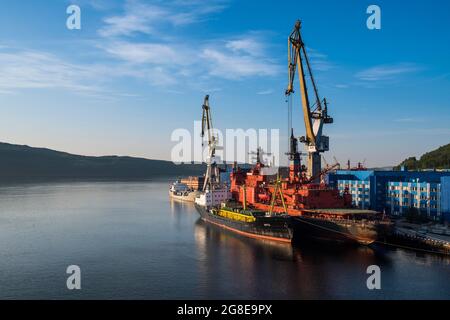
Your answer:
<point x="267" y="269"/>
<point x="178" y="208"/>
<point x="232" y="266"/>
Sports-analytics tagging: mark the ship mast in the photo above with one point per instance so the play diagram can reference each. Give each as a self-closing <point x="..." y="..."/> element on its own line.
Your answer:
<point x="315" y="115"/>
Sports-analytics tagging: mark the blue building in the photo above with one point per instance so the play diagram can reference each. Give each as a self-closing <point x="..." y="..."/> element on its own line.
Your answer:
<point x="445" y="197"/>
<point x="394" y="192"/>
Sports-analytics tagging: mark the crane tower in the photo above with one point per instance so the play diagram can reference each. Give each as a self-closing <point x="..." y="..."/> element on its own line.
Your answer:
<point x="315" y="115"/>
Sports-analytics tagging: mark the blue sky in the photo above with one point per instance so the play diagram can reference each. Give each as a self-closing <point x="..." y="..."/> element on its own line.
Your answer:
<point x="137" y="70"/>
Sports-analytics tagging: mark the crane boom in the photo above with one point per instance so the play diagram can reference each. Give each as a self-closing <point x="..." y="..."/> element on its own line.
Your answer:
<point x="207" y="123"/>
<point x="313" y="119"/>
<point x="295" y="45"/>
<point x="212" y="171"/>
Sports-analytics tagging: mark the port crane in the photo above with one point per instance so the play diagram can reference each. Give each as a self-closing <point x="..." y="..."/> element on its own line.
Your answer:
<point x="314" y="116"/>
<point x="212" y="171"/>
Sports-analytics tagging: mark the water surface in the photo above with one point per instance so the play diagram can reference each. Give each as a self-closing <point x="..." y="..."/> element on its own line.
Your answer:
<point x="132" y="242"/>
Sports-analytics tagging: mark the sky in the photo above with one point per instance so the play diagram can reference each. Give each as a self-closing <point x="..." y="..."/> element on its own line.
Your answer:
<point x="137" y="70"/>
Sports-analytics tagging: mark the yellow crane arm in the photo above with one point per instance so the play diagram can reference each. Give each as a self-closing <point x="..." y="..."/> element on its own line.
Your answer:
<point x="305" y="102"/>
<point x="295" y="45"/>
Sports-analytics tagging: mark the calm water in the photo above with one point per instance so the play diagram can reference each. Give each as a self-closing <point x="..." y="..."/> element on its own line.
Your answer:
<point x="131" y="242"/>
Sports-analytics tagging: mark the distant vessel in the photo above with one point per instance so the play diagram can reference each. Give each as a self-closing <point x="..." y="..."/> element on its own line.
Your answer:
<point x="215" y="207"/>
<point x="180" y="191"/>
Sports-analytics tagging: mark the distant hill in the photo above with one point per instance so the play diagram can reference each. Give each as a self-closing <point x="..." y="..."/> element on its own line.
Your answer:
<point x="436" y="159"/>
<point x="28" y="163"/>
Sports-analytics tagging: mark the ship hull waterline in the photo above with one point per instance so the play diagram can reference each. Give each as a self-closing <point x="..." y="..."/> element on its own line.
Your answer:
<point x="189" y="197"/>
<point x="325" y="230"/>
<point x="260" y="231"/>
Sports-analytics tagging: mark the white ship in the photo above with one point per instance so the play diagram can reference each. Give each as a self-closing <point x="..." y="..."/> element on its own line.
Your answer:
<point x="180" y="191"/>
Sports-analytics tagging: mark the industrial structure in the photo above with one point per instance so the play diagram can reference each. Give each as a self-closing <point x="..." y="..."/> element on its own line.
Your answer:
<point x="212" y="175"/>
<point x="317" y="210"/>
<point x="194" y="182"/>
<point x="315" y="115"/>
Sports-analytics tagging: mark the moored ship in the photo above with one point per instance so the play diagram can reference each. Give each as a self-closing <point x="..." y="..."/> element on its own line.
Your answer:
<point x="317" y="210"/>
<point x="248" y="222"/>
<point x="180" y="191"/>
<point x="215" y="206"/>
<point x="351" y="225"/>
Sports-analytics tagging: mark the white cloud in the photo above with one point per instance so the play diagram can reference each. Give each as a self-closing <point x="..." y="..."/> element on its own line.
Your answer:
<point x="169" y="61"/>
<point x="157" y="62"/>
<point x="408" y="120"/>
<point x="33" y="69"/>
<point x="234" y="66"/>
<point x="96" y="4"/>
<point x="387" y="72"/>
<point x="139" y="17"/>
<point x="265" y="92"/>
<point x="228" y="59"/>
<point x="248" y="45"/>
<point x="41" y="70"/>
<point x="194" y="11"/>
<point x="159" y="76"/>
<point x="319" y="61"/>
<point x="240" y="57"/>
<point x="138" y="53"/>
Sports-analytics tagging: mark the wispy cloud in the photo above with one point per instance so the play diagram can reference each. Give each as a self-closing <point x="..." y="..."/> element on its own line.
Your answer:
<point x="231" y="58"/>
<point x="226" y="59"/>
<point x="27" y="69"/>
<point x="249" y="45"/>
<point x="141" y="53"/>
<point x="149" y="18"/>
<point x="240" y="57"/>
<point x="387" y="72"/>
<point x="319" y="61"/>
<point x="155" y="60"/>
<point x="138" y="18"/>
<point x="34" y="70"/>
<point x="96" y="4"/>
<point x="230" y="65"/>
<point x="408" y="120"/>
<point x="265" y="92"/>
